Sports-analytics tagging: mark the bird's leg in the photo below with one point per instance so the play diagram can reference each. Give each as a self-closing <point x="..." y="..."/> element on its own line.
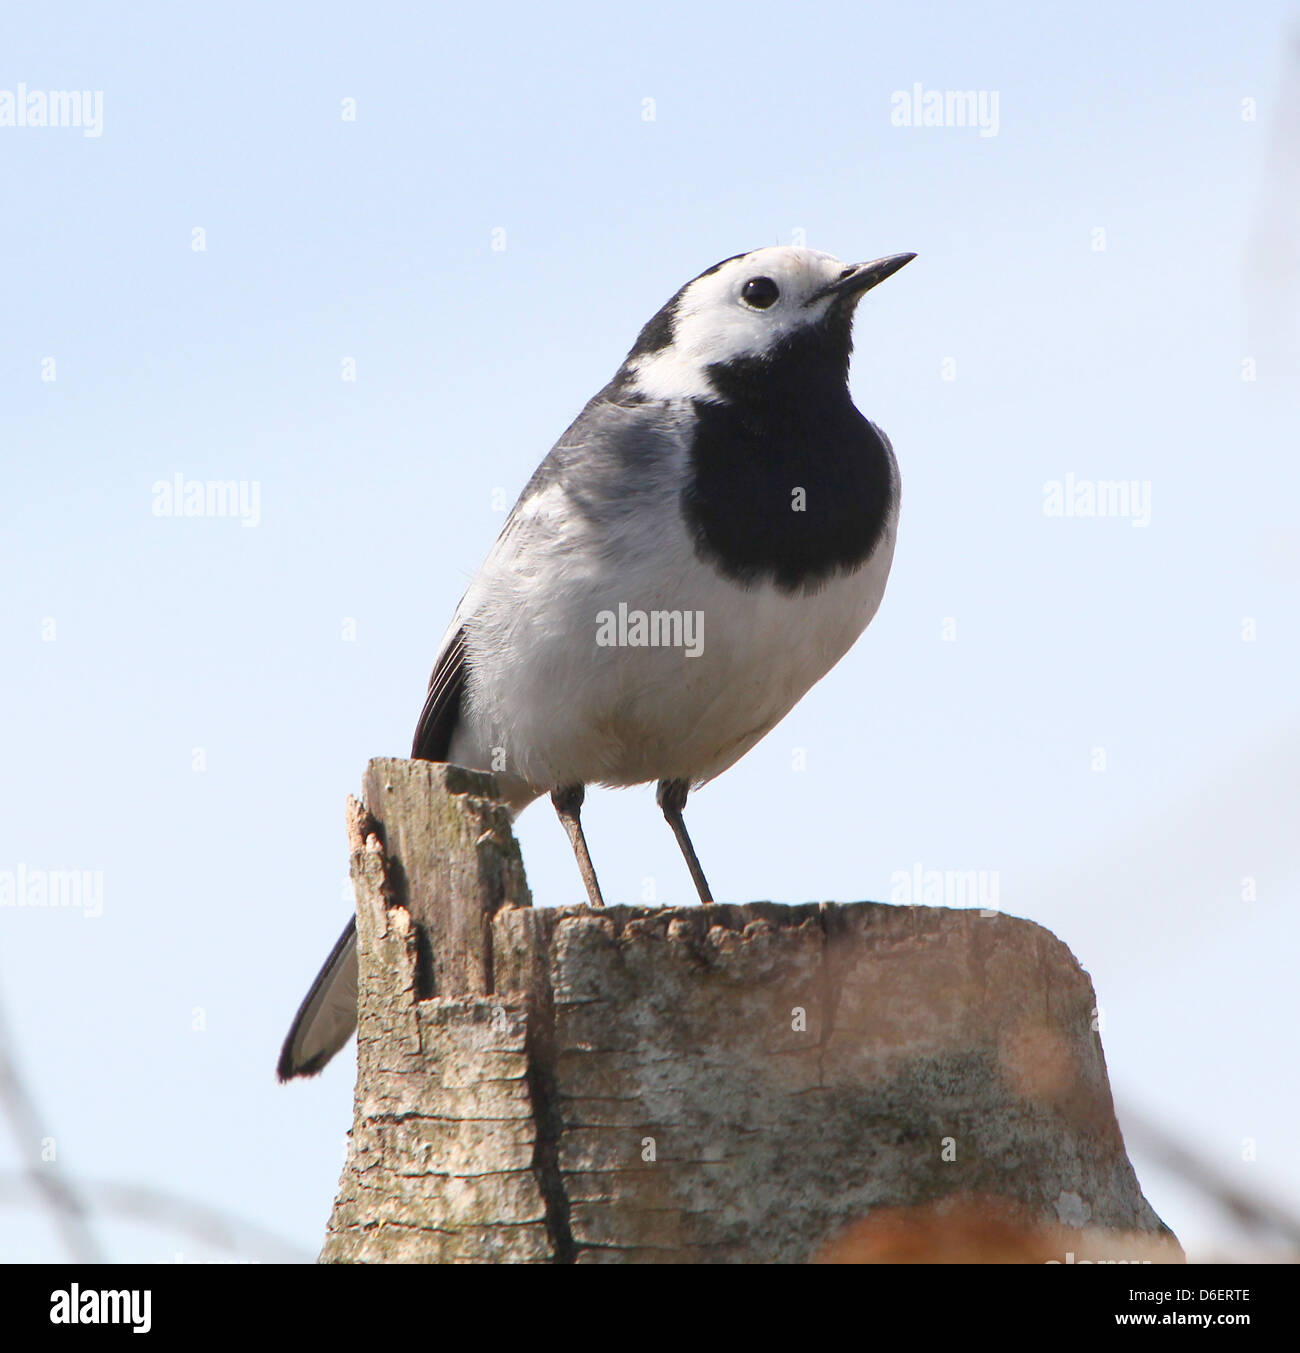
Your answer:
<point x="568" y="804"/>
<point x="671" y="797"/>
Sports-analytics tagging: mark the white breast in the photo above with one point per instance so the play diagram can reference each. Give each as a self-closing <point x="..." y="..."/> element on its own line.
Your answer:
<point x="547" y="704"/>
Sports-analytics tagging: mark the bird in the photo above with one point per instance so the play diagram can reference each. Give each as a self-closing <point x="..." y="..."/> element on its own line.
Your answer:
<point x="708" y="538"/>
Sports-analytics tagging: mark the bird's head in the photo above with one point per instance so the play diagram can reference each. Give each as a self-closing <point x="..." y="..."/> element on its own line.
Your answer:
<point x="770" y="307"/>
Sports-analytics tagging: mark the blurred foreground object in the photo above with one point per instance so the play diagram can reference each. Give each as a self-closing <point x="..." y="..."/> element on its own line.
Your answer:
<point x="989" y="1230"/>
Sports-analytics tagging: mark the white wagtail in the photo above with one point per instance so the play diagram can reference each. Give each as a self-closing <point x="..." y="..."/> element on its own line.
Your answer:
<point x="704" y="544"/>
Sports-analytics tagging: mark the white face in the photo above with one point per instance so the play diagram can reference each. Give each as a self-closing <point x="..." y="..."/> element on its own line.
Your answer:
<point x="733" y="312"/>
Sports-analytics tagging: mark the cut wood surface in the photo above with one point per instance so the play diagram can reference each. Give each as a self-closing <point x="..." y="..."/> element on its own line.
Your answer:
<point x="733" y="1083"/>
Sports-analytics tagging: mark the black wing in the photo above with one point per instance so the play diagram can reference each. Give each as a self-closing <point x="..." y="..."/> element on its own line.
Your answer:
<point x="615" y="458"/>
<point x="441" y="710"/>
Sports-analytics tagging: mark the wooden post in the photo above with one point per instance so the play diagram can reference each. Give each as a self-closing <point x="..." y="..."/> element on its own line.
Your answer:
<point x="725" y="1084"/>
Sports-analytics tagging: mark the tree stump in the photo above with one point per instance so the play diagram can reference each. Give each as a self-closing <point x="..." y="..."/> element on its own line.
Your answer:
<point x="744" y="1083"/>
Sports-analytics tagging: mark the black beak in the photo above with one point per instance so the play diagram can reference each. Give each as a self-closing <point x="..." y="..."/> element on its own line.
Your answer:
<point x="861" y="277"/>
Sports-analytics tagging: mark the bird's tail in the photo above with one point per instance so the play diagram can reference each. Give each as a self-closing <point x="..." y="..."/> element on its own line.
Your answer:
<point x="328" y="1013"/>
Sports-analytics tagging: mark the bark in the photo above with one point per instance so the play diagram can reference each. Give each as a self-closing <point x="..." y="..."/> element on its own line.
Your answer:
<point x="741" y="1083"/>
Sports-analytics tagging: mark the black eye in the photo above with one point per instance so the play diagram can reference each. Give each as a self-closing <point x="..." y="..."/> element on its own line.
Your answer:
<point x="760" y="292"/>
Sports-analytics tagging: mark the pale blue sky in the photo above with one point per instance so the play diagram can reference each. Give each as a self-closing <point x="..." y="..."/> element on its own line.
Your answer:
<point x="373" y="240"/>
